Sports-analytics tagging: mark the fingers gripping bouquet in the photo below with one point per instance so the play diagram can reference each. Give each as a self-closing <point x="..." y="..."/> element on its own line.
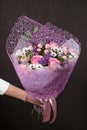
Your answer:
<point x="43" y="57"/>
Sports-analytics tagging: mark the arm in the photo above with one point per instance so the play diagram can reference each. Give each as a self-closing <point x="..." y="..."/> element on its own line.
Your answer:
<point x="13" y="91"/>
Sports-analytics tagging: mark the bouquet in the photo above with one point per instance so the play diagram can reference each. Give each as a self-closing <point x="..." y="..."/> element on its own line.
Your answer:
<point x="43" y="57"/>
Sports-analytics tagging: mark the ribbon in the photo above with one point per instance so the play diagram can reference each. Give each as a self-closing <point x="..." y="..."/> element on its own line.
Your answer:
<point x="49" y="107"/>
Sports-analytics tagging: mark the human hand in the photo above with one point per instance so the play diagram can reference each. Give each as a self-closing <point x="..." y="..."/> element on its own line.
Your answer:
<point x="31" y="99"/>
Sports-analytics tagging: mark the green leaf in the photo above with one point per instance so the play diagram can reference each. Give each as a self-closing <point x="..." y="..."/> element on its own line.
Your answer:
<point x="35" y="29"/>
<point x="60" y="59"/>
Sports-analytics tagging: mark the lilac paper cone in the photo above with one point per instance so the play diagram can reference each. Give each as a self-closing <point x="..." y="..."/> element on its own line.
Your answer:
<point x="46" y="82"/>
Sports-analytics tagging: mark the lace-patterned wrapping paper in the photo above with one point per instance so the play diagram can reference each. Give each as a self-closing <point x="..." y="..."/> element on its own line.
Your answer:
<point x="43" y="83"/>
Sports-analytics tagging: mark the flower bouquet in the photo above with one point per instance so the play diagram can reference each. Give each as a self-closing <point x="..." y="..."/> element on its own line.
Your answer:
<point x="44" y="57"/>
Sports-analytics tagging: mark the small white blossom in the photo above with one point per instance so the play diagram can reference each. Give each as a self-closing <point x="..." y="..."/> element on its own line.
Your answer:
<point x="53" y="54"/>
<point x="18" y="53"/>
<point x="32" y="66"/>
<point x="70" y="57"/>
<point x="39" y="66"/>
<point x="30" y="48"/>
<point x="55" y="49"/>
<point x="60" y="51"/>
<point x="24" y="50"/>
<point x="35" y="66"/>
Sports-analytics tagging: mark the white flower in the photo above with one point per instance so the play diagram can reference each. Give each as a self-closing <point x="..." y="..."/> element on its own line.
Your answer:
<point x="55" y="49"/>
<point x="39" y="66"/>
<point x="70" y="56"/>
<point x="18" y="53"/>
<point x="30" y="48"/>
<point x="60" y="51"/>
<point x="32" y="66"/>
<point x="24" y="50"/>
<point x="35" y="66"/>
<point x="53" y="54"/>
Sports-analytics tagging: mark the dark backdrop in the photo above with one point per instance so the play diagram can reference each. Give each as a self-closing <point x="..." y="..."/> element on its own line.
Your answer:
<point x="70" y="15"/>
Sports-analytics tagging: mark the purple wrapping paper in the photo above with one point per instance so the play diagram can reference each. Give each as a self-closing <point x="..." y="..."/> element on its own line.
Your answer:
<point x="46" y="82"/>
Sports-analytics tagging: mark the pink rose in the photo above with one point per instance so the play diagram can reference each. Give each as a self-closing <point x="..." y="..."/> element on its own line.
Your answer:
<point x="53" y="61"/>
<point x="35" y="59"/>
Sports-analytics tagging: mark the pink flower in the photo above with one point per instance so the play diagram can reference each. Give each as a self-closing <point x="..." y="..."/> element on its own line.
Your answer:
<point x="65" y="51"/>
<point x="46" y="51"/>
<point x="64" y="57"/>
<point x="40" y="45"/>
<point x="53" y="44"/>
<point x="38" y="49"/>
<point x="70" y="50"/>
<point x="35" y="59"/>
<point x="47" y="46"/>
<point x="53" y="61"/>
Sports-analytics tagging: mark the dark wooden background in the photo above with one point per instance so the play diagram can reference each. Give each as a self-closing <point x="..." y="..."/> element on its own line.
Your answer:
<point x="70" y="15"/>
